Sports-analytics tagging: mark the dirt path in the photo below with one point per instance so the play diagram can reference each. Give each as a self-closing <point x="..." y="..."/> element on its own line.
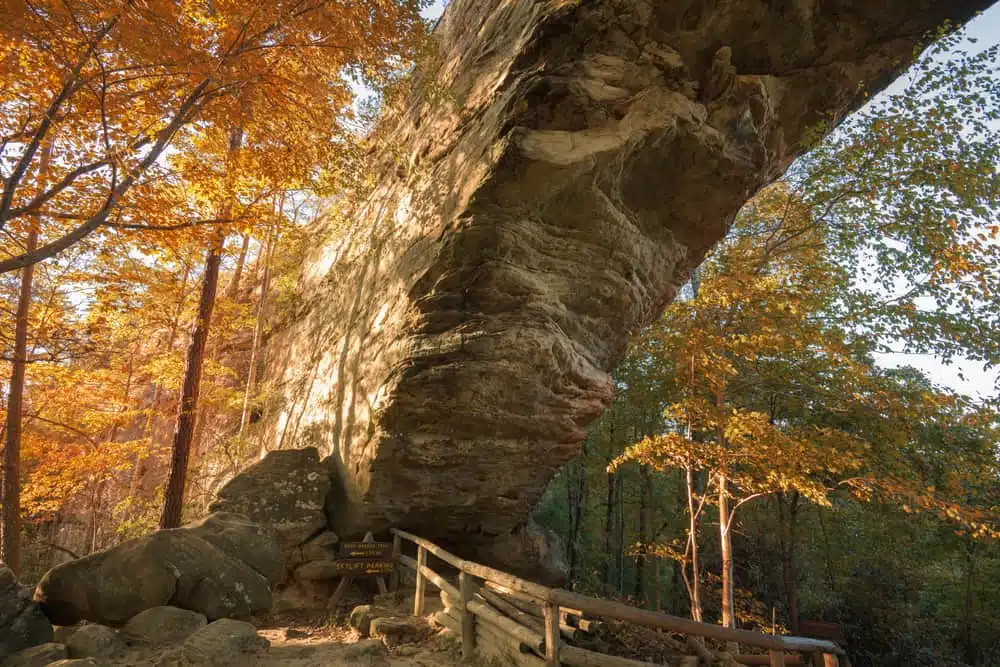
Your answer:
<point x="339" y="647"/>
<point x="313" y="643"/>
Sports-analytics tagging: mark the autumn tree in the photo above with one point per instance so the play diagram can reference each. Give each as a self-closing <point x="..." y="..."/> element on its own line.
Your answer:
<point x="120" y="82"/>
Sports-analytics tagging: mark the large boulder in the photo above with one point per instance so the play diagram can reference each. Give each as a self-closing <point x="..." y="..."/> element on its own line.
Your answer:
<point x="286" y="490"/>
<point x="169" y="567"/>
<point x="22" y="623"/>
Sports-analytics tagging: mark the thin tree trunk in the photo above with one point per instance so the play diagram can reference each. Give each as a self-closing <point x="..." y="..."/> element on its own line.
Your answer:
<point x="645" y="500"/>
<point x="11" y="544"/>
<point x="234" y="285"/>
<point x="694" y="585"/>
<point x="258" y="331"/>
<point x="10" y="539"/>
<point x="968" y="645"/>
<point x="173" y="501"/>
<point x="620" y="550"/>
<point x="726" y="548"/>
<point x="788" y="512"/>
<point x="658" y="598"/>
<point x="577" y="493"/>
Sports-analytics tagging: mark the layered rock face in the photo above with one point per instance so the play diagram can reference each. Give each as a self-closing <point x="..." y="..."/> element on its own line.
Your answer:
<point x="548" y="187"/>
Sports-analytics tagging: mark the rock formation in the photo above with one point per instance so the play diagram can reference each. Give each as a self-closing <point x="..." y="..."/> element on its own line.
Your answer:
<point x="552" y="180"/>
<point x="221" y="567"/>
<point x="22" y="623"/>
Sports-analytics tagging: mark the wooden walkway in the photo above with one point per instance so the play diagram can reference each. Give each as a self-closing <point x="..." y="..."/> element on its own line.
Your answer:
<point x="492" y="607"/>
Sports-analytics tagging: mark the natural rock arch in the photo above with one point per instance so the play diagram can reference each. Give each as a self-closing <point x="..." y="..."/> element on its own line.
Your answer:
<point x="541" y="198"/>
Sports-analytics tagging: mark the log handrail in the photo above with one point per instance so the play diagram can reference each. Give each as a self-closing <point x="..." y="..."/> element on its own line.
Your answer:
<point x="552" y="599"/>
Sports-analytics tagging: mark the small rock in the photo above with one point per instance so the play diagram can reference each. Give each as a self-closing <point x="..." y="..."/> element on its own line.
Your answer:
<point x="393" y="630"/>
<point x="77" y="662"/>
<point x="224" y="643"/>
<point x="365" y="647"/>
<point x="407" y="651"/>
<point x="361" y="618"/>
<point x="293" y="633"/>
<point x="94" y="641"/>
<point x="164" y="625"/>
<point x="37" y="656"/>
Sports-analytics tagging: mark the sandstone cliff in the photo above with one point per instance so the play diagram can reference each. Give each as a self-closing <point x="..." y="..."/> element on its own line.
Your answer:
<point x="575" y="160"/>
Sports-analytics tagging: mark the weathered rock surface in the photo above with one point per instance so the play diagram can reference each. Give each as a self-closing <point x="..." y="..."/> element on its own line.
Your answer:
<point x="223" y="643"/>
<point x="36" y="656"/>
<point x="252" y="543"/>
<point x="361" y="618"/>
<point x="570" y="164"/>
<point x="395" y="630"/>
<point x="169" y="567"/>
<point x="286" y="491"/>
<point x="163" y="625"/>
<point x="22" y="623"/>
<point x="77" y="662"/>
<point x="94" y="641"/>
<point x="321" y="548"/>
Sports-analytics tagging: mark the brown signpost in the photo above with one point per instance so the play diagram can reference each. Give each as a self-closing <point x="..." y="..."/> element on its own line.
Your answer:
<point x="365" y="558"/>
<point x="362" y="558"/>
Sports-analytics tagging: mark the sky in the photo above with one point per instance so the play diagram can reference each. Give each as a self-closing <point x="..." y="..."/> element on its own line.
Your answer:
<point x="965" y="376"/>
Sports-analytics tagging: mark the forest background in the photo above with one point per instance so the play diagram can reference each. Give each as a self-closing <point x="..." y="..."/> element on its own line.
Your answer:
<point x="762" y="464"/>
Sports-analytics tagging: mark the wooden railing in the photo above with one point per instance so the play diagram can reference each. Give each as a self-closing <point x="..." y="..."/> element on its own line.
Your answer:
<point x="480" y="616"/>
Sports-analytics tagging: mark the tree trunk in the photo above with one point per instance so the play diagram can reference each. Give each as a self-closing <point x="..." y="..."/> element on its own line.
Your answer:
<point x="577" y="494"/>
<point x="11" y="543"/>
<point x="969" y="652"/>
<point x="694" y="585"/>
<point x="788" y="511"/>
<point x="620" y="542"/>
<point x="645" y="500"/>
<point x="726" y="548"/>
<point x="10" y="539"/>
<point x="609" y="523"/>
<point x="258" y="331"/>
<point x="173" y="501"/>
<point x="187" y="414"/>
<point x="234" y="285"/>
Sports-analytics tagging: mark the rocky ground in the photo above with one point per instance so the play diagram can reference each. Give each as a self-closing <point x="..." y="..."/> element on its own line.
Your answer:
<point x="276" y="642"/>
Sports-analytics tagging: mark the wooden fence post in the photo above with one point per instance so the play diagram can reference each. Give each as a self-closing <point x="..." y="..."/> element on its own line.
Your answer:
<point x="552" y="638"/>
<point x="418" y="597"/>
<point x="777" y="658"/>
<point x="397" y="550"/>
<point x="467" y="588"/>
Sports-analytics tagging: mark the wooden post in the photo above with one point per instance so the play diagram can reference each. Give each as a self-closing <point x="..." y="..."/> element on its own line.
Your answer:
<point x="397" y="550"/>
<point x="379" y="580"/>
<point x="418" y="597"/>
<point x="830" y="660"/>
<point x="467" y="588"/>
<point x="552" y="638"/>
<point x="777" y="658"/>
